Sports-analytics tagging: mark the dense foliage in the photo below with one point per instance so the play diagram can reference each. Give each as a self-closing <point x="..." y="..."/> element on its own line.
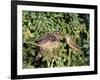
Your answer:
<point x="36" y="24"/>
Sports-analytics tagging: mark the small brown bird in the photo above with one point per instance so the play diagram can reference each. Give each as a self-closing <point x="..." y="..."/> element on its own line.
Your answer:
<point x="48" y="41"/>
<point x="72" y="43"/>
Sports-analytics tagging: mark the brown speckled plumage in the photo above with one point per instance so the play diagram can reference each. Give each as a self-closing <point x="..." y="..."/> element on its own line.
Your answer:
<point x="72" y="43"/>
<point x="48" y="41"/>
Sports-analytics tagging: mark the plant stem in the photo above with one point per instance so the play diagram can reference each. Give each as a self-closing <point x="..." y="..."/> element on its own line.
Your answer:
<point x="69" y="58"/>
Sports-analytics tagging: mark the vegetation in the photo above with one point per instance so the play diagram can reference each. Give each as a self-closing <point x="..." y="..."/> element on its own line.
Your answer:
<point x="36" y="24"/>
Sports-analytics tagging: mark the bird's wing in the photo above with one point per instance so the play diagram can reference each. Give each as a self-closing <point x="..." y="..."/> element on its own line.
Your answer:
<point x="72" y="43"/>
<point x="44" y="37"/>
<point x="47" y="37"/>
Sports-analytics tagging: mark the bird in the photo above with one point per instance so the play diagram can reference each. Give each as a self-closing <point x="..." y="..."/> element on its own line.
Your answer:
<point x="48" y="41"/>
<point x="72" y="44"/>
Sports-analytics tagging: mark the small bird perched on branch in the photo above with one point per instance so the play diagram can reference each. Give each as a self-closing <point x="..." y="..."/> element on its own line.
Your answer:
<point x="72" y="43"/>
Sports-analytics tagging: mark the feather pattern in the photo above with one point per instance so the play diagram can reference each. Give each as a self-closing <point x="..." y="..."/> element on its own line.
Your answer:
<point x="72" y="43"/>
<point x="47" y="37"/>
<point x="48" y="41"/>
